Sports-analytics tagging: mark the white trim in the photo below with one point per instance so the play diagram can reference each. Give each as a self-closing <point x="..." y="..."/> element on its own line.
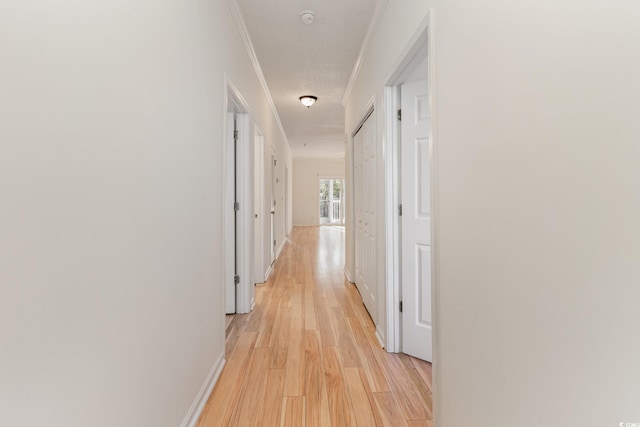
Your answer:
<point x="273" y="253"/>
<point x="268" y="272"/>
<point x="246" y="39"/>
<point x="414" y="44"/>
<point x="287" y="196"/>
<point x="245" y="216"/>
<point x="342" y="206"/>
<point x="277" y="255"/>
<point x="380" y="336"/>
<point x="191" y="419"/>
<point x="279" y="250"/>
<point x="233" y="92"/>
<point x="223" y="205"/>
<point x="435" y="216"/>
<point x="347" y="275"/>
<point x="244" y="185"/>
<point x="422" y="37"/>
<point x="368" y="110"/>
<point x="364" y="49"/>
<point x="368" y="113"/>
<point x="259" y="192"/>
<point x="392" y="237"/>
<point x="350" y="241"/>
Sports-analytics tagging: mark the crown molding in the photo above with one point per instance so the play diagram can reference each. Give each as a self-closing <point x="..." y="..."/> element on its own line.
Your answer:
<point x="234" y="8"/>
<point x="364" y="49"/>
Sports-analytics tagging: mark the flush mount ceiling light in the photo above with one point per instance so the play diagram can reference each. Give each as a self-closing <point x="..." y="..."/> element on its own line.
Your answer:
<point x="308" y="100"/>
<point x="308" y="16"/>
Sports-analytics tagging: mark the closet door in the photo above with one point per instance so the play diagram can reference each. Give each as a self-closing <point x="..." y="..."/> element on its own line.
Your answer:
<point x="364" y="162"/>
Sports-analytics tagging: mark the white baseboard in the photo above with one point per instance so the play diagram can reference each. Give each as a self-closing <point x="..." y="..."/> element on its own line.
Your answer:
<point x="346" y="273"/>
<point x="191" y="419"/>
<point x="268" y="273"/>
<point x="380" y="336"/>
<point x="280" y="248"/>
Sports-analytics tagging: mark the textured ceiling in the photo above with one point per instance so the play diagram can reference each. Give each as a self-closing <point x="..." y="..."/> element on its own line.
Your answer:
<point x="317" y="59"/>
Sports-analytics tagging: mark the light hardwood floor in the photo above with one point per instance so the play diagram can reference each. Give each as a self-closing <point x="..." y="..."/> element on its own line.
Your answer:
<point x="307" y="354"/>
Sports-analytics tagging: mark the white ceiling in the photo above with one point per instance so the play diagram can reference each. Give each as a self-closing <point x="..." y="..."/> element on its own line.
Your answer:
<point x="317" y="59"/>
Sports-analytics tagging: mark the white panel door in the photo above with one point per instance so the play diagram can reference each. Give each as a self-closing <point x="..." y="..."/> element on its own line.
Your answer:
<point x="364" y="165"/>
<point x="416" y="221"/>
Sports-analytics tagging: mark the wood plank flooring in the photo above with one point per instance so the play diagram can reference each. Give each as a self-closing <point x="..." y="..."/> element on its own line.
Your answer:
<point x="307" y="355"/>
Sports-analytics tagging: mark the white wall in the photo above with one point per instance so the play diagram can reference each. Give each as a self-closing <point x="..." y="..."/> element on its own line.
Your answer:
<point x="111" y="304"/>
<point x="537" y="235"/>
<point x="306" y="175"/>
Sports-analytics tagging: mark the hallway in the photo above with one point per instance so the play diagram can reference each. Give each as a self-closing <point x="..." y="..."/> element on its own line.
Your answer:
<point x="307" y="354"/>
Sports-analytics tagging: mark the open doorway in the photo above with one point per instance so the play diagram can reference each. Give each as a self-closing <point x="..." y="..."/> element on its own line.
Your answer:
<point x="408" y="99"/>
<point x="259" y="208"/>
<point x="274" y="203"/>
<point x="331" y="201"/>
<point x="230" y="216"/>
<point x="238" y="205"/>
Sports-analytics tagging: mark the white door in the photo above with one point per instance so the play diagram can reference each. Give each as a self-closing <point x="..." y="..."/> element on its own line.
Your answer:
<point x="272" y="242"/>
<point x="230" y="216"/>
<point x="364" y="170"/>
<point x="416" y="221"/>
<point x="286" y="200"/>
<point x="258" y="206"/>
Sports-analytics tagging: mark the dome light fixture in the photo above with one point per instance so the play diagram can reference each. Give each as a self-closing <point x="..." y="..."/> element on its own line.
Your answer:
<point x="308" y="100"/>
<point x="308" y="16"/>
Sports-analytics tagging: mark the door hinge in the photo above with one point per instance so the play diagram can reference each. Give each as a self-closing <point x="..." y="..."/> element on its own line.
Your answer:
<point x="236" y="279"/>
<point x="274" y="242"/>
<point x="236" y="206"/>
<point x="235" y="135"/>
<point x="400" y="306"/>
<point x="399" y="210"/>
<point x="399" y="115"/>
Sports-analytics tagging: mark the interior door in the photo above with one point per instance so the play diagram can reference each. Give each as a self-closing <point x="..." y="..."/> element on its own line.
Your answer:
<point x="364" y="168"/>
<point x="416" y="221"/>
<point x="258" y="206"/>
<point x="286" y="200"/>
<point x="273" y="206"/>
<point x="230" y="217"/>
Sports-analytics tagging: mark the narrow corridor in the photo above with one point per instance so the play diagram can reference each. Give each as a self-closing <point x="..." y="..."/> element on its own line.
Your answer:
<point x="307" y="354"/>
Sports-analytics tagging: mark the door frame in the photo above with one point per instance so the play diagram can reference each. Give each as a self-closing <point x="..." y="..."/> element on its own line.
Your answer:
<point x="273" y="203"/>
<point x="244" y="186"/>
<point x="350" y="201"/>
<point x="408" y="59"/>
<point x="342" y="207"/>
<point x="286" y="200"/>
<point x="259" y="208"/>
<point x="370" y="111"/>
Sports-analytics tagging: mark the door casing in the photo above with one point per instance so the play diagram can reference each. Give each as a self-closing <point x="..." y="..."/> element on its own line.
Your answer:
<point x="244" y="184"/>
<point x="416" y="49"/>
<point x="259" y="208"/>
<point x="342" y="183"/>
